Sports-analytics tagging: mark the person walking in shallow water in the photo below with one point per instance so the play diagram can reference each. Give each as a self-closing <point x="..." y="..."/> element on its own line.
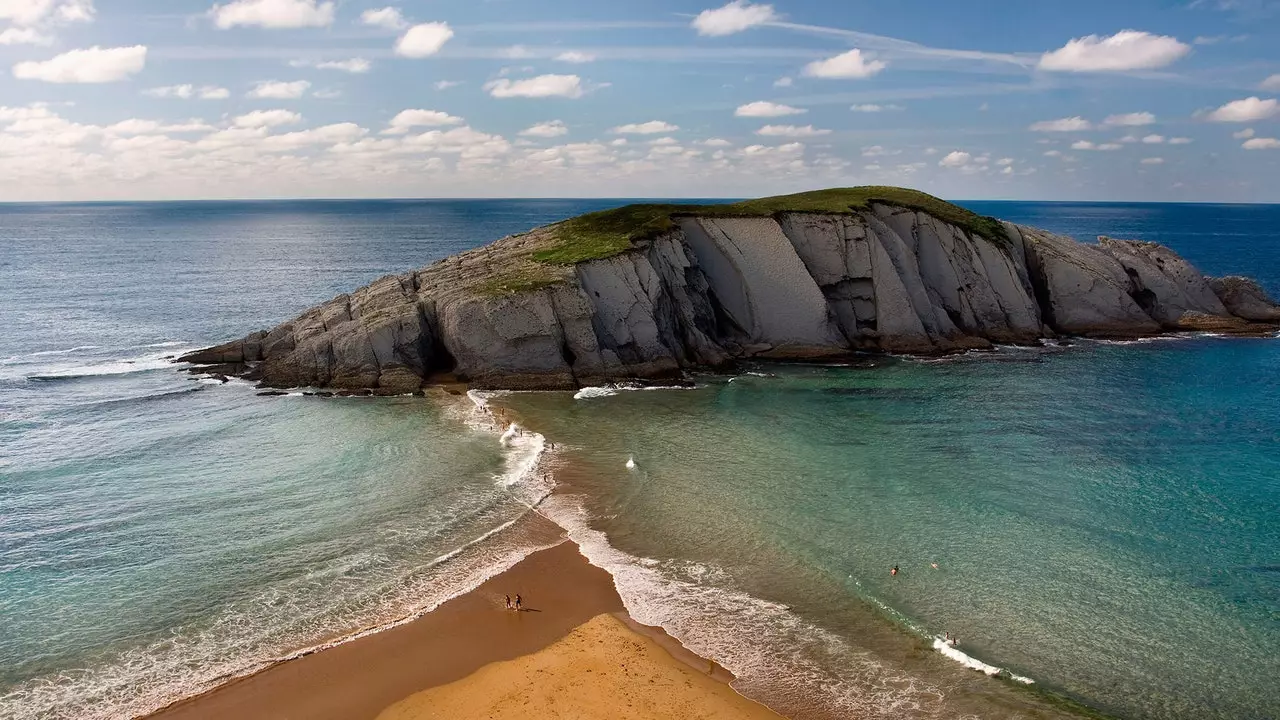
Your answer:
<point x="519" y="603"/>
<point x="508" y="602"/>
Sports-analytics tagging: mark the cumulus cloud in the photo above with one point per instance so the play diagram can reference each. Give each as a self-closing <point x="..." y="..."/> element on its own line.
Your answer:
<point x="1153" y="161"/>
<point x="356" y="66"/>
<point x="1136" y="119"/>
<point x="267" y="119"/>
<point x="849" y="65"/>
<point x="716" y="142"/>
<point x="872" y="108"/>
<point x="1244" y="134"/>
<point x="90" y="65"/>
<point x="1249" y="109"/>
<point x="767" y="109"/>
<point x="792" y="131"/>
<point x="278" y="90"/>
<point x="1261" y="144"/>
<point x="735" y="17"/>
<point x="1126" y="50"/>
<point x="408" y="119"/>
<point x="955" y="159"/>
<point x="446" y="84"/>
<point x="783" y="82"/>
<point x="186" y="92"/>
<point x="1271" y="83"/>
<point x="1086" y="145"/>
<point x="423" y="40"/>
<point x="1153" y="139"/>
<point x="1071" y="124"/>
<point x="1180" y="141"/>
<point x="653" y="127"/>
<point x="24" y="36"/>
<point x="273" y="14"/>
<point x="388" y="18"/>
<point x="34" y="12"/>
<point x="324" y="135"/>
<point x="554" y="128"/>
<point x="573" y="56"/>
<point x="542" y="86"/>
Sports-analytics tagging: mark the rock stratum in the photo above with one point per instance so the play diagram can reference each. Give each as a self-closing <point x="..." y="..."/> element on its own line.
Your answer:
<point x="647" y="292"/>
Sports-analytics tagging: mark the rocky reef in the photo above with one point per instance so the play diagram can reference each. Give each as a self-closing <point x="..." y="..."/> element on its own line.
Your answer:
<point x="649" y="291"/>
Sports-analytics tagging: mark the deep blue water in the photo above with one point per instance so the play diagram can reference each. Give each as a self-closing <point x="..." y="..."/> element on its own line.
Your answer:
<point x="1104" y="516"/>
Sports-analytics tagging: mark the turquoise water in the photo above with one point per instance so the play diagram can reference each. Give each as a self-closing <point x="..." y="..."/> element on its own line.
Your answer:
<point x="1103" y="516"/>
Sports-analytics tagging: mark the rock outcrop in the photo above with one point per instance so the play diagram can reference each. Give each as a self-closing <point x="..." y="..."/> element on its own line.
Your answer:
<point x="709" y="288"/>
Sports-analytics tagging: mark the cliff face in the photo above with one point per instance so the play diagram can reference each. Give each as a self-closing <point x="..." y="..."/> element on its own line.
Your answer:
<point x="711" y="289"/>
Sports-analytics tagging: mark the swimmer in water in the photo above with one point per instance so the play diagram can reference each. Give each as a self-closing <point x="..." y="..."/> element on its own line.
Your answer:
<point x="894" y="571"/>
<point x="935" y="566"/>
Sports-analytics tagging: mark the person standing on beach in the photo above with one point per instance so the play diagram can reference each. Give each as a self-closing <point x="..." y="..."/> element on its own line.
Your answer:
<point x="508" y="602"/>
<point x="519" y="602"/>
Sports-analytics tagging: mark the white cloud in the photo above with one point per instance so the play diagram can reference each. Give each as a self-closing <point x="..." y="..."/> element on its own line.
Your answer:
<point x="767" y="109"/>
<point x="872" y="108"/>
<point x="573" y="56"/>
<point x="1153" y="139"/>
<point x="878" y="151"/>
<point x="327" y="94"/>
<point x="1271" y="83"/>
<point x="136" y="126"/>
<point x="955" y="159"/>
<point x="33" y="12"/>
<point x="274" y="14"/>
<point x="554" y="128"/>
<point x="735" y="17"/>
<point x="1071" y="124"/>
<point x="1261" y="144"/>
<point x="1130" y="120"/>
<point x="213" y="92"/>
<point x="716" y="142"/>
<point x="1126" y="50"/>
<point x="1053" y="153"/>
<point x="1086" y="145"/>
<point x="792" y="131"/>
<point x="846" y="65"/>
<point x="1153" y="161"/>
<point x="423" y="40"/>
<point x="1247" y="110"/>
<point x="543" y="86"/>
<point x="388" y="18"/>
<point x="267" y="118"/>
<point x="665" y="141"/>
<point x="1180" y="141"/>
<point x="446" y="84"/>
<point x="407" y="119"/>
<point x="463" y="141"/>
<point x="653" y="127"/>
<point x="278" y="90"/>
<point x="324" y="135"/>
<point x="356" y="66"/>
<point x="184" y="92"/>
<point x="783" y="82"/>
<point x="91" y="65"/>
<point x="1244" y="134"/>
<point x="1005" y="162"/>
<point x="24" y="36"/>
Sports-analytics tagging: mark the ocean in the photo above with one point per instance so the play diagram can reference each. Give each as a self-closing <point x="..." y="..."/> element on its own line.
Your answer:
<point x="1102" y="515"/>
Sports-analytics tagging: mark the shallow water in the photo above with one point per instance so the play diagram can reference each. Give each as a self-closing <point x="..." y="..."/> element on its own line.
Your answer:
<point x="1103" y="517"/>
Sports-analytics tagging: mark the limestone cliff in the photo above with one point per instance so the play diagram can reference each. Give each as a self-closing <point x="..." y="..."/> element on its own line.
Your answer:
<point x="650" y="291"/>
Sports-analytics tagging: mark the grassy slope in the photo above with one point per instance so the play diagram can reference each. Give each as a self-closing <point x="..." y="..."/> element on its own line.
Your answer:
<point x="607" y="233"/>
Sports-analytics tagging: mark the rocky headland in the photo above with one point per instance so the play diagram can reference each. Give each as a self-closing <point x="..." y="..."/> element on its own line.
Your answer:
<point x="649" y="291"/>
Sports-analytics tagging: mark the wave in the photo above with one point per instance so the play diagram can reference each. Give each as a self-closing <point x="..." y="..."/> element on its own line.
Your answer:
<point x="252" y="635"/>
<point x="772" y="652"/>
<point x="599" y="391"/>
<point x="86" y="361"/>
<point x="949" y="651"/>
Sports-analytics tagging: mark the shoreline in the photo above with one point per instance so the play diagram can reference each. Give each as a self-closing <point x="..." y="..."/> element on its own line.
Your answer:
<point x="363" y="677"/>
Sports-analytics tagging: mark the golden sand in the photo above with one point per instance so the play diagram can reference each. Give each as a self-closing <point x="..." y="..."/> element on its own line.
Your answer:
<point x="602" y="669"/>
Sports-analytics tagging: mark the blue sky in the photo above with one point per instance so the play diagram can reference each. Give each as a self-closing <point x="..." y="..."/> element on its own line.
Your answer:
<point x="1173" y="100"/>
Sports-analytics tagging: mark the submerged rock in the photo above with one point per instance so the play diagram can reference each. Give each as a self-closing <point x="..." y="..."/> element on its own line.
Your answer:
<point x="647" y="292"/>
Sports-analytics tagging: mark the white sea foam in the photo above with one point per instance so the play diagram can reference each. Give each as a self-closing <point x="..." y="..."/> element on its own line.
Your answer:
<point x="588" y="393"/>
<point x="772" y="651"/>
<point x="952" y="653"/>
<point x="600" y="391"/>
<point x="631" y="462"/>
<point x="38" y="366"/>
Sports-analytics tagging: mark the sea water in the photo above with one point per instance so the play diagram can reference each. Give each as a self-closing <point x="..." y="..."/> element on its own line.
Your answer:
<point x="1102" y="515"/>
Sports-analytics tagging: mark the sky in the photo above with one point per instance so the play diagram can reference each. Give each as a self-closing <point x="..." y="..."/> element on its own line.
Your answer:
<point x="1142" y="100"/>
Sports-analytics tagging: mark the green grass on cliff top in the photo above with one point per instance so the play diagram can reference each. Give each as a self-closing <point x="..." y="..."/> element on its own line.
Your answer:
<point x="610" y="232"/>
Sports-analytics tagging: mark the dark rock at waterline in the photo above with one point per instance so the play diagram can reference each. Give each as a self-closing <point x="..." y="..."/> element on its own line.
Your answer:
<point x="702" y="289"/>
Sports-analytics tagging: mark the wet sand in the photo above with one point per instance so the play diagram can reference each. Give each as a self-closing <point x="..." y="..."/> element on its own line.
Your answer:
<point x="360" y="679"/>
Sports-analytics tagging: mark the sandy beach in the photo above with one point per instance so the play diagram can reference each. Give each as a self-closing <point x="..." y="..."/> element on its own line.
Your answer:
<point x="572" y="652"/>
